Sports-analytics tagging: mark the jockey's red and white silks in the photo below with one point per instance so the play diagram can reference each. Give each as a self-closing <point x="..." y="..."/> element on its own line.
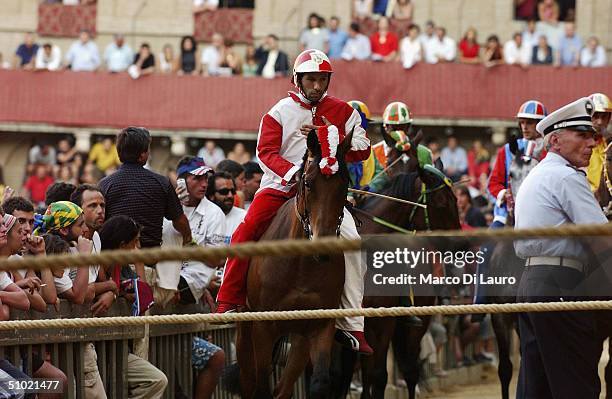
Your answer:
<point x="281" y="145"/>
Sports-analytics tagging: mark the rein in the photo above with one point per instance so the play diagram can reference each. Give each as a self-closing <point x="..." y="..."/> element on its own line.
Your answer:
<point x="305" y="218"/>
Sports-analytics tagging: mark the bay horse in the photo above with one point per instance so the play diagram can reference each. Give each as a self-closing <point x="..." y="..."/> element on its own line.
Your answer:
<point x="427" y="186"/>
<point x="296" y="283"/>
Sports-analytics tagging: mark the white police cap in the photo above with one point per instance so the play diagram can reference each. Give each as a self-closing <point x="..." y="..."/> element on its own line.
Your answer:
<point x="574" y="116"/>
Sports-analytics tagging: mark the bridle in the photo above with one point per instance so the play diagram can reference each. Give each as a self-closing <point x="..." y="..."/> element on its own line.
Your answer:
<point x="423" y="198"/>
<point x="304" y="216"/>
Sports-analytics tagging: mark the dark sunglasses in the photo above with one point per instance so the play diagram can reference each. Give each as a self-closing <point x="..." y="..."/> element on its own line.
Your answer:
<point x="225" y="191"/>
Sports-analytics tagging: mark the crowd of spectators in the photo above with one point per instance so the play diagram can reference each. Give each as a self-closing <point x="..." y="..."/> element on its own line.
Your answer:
<point x="545" y="40"/>
<point x="89" y="217"/>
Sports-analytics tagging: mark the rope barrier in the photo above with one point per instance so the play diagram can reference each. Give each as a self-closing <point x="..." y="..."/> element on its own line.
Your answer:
<point x="306" y="315"/>
<point x="325" y="245"/>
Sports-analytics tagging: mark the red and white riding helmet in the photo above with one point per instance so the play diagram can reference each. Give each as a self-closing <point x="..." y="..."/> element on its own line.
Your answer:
<point x="311" y="61"/>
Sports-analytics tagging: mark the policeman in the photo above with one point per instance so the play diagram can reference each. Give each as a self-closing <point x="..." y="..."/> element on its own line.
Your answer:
<point x="560" y="351"/>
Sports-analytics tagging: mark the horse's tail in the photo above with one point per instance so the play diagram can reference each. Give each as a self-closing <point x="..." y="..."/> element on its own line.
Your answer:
<point x="230" y="380"/>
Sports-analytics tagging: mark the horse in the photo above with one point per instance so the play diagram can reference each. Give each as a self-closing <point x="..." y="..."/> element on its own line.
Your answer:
<point x="296" y="283"/>
<point x="411" y="182"/>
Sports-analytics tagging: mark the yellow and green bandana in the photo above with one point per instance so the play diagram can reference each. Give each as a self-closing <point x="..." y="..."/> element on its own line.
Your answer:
<point x="60" y="214"/>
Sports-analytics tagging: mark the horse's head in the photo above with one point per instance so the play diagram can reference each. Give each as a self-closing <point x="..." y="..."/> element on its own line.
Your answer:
<point x="321" y="198"/>
<point x="409" y="159"/>
<point x="442" y="212"/>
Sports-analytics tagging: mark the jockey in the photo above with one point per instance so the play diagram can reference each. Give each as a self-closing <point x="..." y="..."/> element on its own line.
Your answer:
<point x="504" y="178"/>
<point x="281" y="145"/>
<point x="601" y="119"/>
<point x="397" y="121"/>
<point x="366" y="175"/>
<point x="531" y="149"/>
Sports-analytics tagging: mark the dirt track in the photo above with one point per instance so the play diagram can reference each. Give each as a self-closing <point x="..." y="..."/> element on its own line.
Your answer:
<point x="490" y="389"/>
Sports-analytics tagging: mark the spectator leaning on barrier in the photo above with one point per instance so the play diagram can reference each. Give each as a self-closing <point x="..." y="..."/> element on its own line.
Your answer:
<point x="384" y="42"/>
<point x="542" y="54"/>
<point x="493" y="53"/>
<point x="166" y="63"/>
<point x="516" y="52"/>
<point x="145" y="196"/>
<point x="357" y="45"/>
<point x="469" y="50"/>
<point x="593" y="54"/>
<point x="144" y="62"/>
<point x="48" y="57"/>
<point x="231" y="62"/>
<point x="251" y="65"/>
<point x="188" y="62"/>
<point x="212" y="56"/>
<point x="429" y="33"/>
<point x="143" y="379"/>
<point x="315" y="36"/>
<point x="83" y="54"/>
<point x="411" y="48"/>
<point x="440" y="48"/>
<point x="26" y="53"/>
<point x="118" y="56"/>
<point x="273" y="62"/>
<point x="337" y="38"/>
<point x="65" y="220"/>
<point x="570" y="45"/>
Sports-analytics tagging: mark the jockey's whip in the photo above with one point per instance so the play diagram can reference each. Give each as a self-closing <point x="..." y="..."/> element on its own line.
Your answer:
<point x="403" y="201"/>
<point x="382" y="172"/>
<point x="457" y="183"/>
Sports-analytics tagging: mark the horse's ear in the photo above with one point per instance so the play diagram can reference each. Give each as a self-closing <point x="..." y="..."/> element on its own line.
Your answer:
<point x="312" y="142"/>
<point x="345" y="146"/>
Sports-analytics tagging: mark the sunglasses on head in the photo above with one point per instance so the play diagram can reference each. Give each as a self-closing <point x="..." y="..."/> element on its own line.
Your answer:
<point x="225" y="191"/>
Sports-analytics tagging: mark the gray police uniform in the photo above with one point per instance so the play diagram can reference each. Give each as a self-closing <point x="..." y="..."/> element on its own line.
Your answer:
<point x="559" y="350"/>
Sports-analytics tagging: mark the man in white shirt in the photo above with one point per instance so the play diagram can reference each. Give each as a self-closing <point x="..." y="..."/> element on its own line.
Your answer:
<point x="48" y="57"/>
<point x="118" y="56"/>
<point x="429" y="33"/>
<point x="357" y="45"/>
<point x="411" y="48"/>
<point x="515" y="51"/>
<point x="211" y="56"/>
<point x="593" y="54"/>
<point x="83" y="54"/>
<point x="222" y="191"/>
<point x="441" y="48"/>
<point x="207" y="224"/>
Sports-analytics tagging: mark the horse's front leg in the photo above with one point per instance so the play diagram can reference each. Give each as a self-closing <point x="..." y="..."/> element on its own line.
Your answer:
<point x="320" y="355"/>
<point x="502" y="328"/>
<point x="296" y="363"/>
<point x="378" y="332"/>
<point x="263" y="338"/>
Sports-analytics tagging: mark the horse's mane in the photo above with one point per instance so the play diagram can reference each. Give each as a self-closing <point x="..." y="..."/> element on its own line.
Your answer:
<point x="402" y="185"/>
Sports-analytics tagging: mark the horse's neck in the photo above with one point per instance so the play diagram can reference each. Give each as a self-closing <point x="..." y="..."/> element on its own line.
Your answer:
<point x="285" y="224"/>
